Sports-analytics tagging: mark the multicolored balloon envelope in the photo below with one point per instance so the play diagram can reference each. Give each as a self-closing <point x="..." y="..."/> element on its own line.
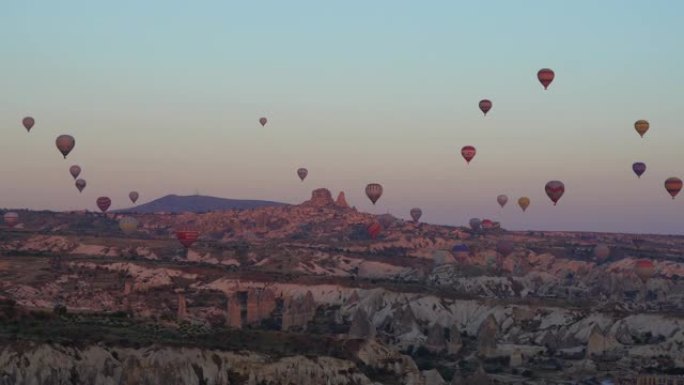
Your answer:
<point x="103" y="203"/>
<point x="554" y="190"/>
<point x="374" y="192"/>
<point x="468" y="153"/>
<point x="187" y="237"/>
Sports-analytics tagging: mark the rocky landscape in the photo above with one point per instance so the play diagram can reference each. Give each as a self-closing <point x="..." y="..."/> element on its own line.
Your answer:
<point x="303" y="294"/>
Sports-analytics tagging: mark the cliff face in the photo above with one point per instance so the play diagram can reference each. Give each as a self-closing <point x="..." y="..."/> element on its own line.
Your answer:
<point x="38" y="364"/>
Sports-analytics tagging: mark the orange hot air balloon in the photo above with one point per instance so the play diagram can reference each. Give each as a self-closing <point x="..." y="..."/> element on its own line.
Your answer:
<point x="545" y="77"/>
<point x="263" y="121"/>
<point x="554" y="190"/>
<point x="644" y="269"/>
<point x="75" y="171"/>
<point x="133" y="196"/>
<point x="416" y="213"/>
<point x="302" y="173"/>
<point x="673" y="185"/>
<point x="523" y="202"/>
<point x="103" y="203"/>
<point x="28" y="123"/>
<point x="641" y="126"/>
<point x="374" y="192"/>
<point x="485" y="105"/>
<point x="468" y="153"/>
<point x="11" y="219"/>
<point x="65" y="143"/>
<point x="374" y="230"/>
<point x="80" y="184"/>
<point x="187" y="237"/>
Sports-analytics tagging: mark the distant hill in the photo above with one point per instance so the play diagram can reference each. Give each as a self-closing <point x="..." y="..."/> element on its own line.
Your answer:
<point x="196" y="204"/>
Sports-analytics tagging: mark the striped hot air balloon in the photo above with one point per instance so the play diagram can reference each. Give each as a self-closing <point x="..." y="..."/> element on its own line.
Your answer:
<point x="554" y="190"/>
<point x="673" y="185"/>
<point x="374" y="192"/>
<point x="187" y="237"/>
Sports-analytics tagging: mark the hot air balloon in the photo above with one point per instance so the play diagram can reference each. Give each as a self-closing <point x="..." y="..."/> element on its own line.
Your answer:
<point x="468" y="153"/>
<point x="65" y="143"/>
<point x="601" y="252"/>
<point x="416" y="213"/>
<point x="502" y="199"/>
<point x="545" y="77"/>
<point x="487" y="224"/>
<point x="644" y="269"/>
<point x="187" y="237"/>
<point x="11" y="219"/>
<point x="504" y="247"/>
<point x="485" y="106"/>
<point x="28" y="123"/>
<point x="673" y="185"/>
<point x="641" y="126"/>
<point x="374" y="192"/>
<point x="639" y="168"/>
<point x="555" y="189"/>
<point x="302" y="173"/>
<point x="75" y="171"/>
<point x="80" y="184"/>
<point x="374" y="230"/>
<point x="128" y="224"/>
<point x="475" y="223"/>
<point x="263" y="121"/>
<point x="103" y="203"/>
<point x="387" y="220"/>
<point x="523" y="202"/>
<point x="133" y="196"/>
<point x="460" y="251"/>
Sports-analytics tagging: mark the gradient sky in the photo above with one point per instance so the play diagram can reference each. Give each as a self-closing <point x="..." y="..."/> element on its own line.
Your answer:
<point x="164" y="97"/>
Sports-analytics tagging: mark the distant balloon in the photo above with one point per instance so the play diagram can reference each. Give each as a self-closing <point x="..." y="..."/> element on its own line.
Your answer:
<point x="65" y="143"/>
<point x="504" y="247"/>
<point x="302" y="173"/>
<point x="502" y="199"/>
<point x="416" y="213"/>
<point x="11" y="219"/>
<point x="644" y="269"/>
<point x="523" y="202"/>
<point x="673" y="185"/>
<point x="133" y="196"/>
<point x="75" y="171"/>
<point x="460" y="251"/>
<point x="374" y="192"/>
<point x="28" y="123"/>
<point x="468" y="153"/>
<point x="103" y="203"/>
<point x="263" y="121"/>
<point x="639" y="168"/>
<point x="187" y="237"/>
<point x="487" y="224"/>
<point x="545" y="77"/>
<point x="475" y="223"/>
<point x="374" y="230"/>
<point x="601" y="251"/>
<point x="641" y="126"/>
<point x="485" y="106"/>
<point x="80" y="184"/>
<point x="128" y="224"/>
<point x="554" y="190"/>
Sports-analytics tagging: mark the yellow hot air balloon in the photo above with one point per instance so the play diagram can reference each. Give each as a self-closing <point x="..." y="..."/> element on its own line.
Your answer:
<point x="641" y="126"/>
<point x="523" y="202"/>
<point x="128" y="224"/>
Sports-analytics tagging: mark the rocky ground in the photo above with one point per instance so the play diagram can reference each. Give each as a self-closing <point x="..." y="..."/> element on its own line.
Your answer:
<point x="302" y="294"/>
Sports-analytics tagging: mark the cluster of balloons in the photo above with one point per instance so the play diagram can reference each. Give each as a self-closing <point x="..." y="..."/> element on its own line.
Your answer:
<point x="673" y="185"/>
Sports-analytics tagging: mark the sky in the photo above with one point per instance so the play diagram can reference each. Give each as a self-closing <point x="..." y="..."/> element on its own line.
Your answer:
<point x="164" y="97"/>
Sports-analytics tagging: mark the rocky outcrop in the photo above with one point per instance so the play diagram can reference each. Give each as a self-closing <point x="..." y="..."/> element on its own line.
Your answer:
<point x="436" y="341"/>
<point x="361" y="326"/>
<point x="298" y="312"/>
<point x="234" y="310"/>
<point x="486" y="337"/>
<point x="320" y="198"/>
<point x="341" y="201"/>
<point x="454" y="344"/>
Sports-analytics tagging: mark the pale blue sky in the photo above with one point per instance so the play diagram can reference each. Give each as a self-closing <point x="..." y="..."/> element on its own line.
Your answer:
<point x="164" y="97"/>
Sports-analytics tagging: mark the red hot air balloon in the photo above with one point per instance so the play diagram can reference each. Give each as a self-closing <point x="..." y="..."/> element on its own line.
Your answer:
<point x="545" y="77"/>
<point x="65" y="143"/>
<point x="80" y="184"/>
<point x="555" y="189"/>
<point x="187" y="237"/>
<point x="468" y="153"/>
<point x="103" y="203"/>
<point x="374" y="192"/>
<point x="302" y="173"/>
<point x="374" y="230"/>
<point x="75" y="171"/>
<point x="133" y="196"/>
<point x="11" y="219"/>
<point x="28" y="123"/>
<point x="673" y="185"/>
<point x="639" y="168"/>
<point x="263" y="121"/>
<point x="487" y="224"/>
<point x="485" y="106"/>
<point x="644" y="269"/>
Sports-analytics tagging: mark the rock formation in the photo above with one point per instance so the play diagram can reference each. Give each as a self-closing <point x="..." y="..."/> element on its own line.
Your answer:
<point x="234" y="317"/>
<point x="486" y="337"/>
<point x="341" y="201"/>
<point x="454" y="344"/>
<point x="435" y="342"/>
<point x="361" y="326"/>
<point x="320" y="198"/>
<point x="298" y="312"/>
<point x="182" y="307"/>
